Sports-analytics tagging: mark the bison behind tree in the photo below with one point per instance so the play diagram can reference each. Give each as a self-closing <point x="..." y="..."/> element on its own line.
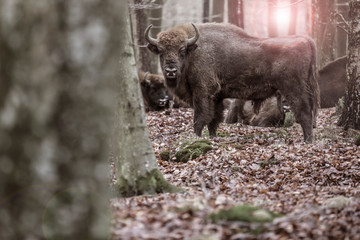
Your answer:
<point x="206" y="63"/>
<point x="332" y="82"/>
<point x="154" y="91"/>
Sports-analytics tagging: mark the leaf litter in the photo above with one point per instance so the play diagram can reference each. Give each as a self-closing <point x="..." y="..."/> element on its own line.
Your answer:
<point x="315" y="187"/>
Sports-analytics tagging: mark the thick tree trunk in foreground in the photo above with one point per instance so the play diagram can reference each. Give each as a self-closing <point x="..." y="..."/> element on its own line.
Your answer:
<point x="350" y="117"/>
<point x="135" y="163"/>
<point x="58" y="62"/>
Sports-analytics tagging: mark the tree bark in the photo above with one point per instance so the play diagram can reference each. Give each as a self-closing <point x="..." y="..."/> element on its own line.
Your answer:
<point x="59" y="62"/>
<point x="350" y="117"/>
<point x="135" y="162"/>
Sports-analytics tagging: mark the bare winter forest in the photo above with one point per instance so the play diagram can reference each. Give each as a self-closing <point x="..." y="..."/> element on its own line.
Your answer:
<point x="168" y="119"/>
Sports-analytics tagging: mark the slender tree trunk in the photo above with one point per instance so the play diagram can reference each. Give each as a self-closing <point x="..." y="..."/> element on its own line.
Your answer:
<point x="156" y="18"/>
<point x="135" y="162"/>
<point x="272" y="26"/>
<point x="206" y="11"/>
<point x="218" y="11"/>
<point x="293" y="17"/>
<point x="341" y="34"/>
<point x="235" y="12"/>
<point x="143" y="14"/>
<point x="324" y="31"/>
<point x="350" y="117"/>
<point x="241" y="14"/>
<point x="55" y="115"/>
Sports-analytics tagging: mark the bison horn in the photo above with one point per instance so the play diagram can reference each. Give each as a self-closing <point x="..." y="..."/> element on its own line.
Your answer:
<point x="193" y="40"/>
<point x="151" y="40"/>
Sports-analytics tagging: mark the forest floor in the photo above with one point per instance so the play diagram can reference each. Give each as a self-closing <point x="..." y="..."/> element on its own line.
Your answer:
<point x="315" y="187"/>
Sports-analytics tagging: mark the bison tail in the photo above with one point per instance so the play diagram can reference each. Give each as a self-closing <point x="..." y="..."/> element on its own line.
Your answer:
<point x="313" y="86"/>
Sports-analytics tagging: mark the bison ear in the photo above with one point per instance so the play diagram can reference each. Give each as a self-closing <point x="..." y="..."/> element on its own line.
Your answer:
<point x="153" y="48"/>
<point x="191" y="48"/>
<point x="146" y="83"/>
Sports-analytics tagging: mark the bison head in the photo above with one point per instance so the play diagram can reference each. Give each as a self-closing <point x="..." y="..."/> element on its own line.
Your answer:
<point x="173" y="46"/>
<point x="154" y="91"/>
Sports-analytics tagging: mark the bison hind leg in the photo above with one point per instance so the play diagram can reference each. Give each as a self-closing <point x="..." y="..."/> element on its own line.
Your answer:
<point x="217" y="118"/>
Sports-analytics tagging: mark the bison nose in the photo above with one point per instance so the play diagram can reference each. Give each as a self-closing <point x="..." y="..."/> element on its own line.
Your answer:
<point x="170" y="72"/>
<point x="163" y="102"/>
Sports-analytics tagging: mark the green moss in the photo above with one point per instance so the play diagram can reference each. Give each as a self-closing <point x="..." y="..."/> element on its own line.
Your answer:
<point x="239" y="146"/>
<point x="165" y="155"/>
<point x="152" y="183"/>
<point x="357" y="140"/>
<point x="250" y="136"/>
<point x="271" y="161"/>
<point x="289" y="119"/>
<point x="193" y="150"/>
<point x="218" y="134"/>
<point x="244" y="213"/>
<point x="223" y="134"/>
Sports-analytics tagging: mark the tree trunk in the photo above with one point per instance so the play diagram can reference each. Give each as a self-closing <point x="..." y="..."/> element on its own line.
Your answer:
<point x="58" y="61"/>
<point x="293" y="17"/>
<point x="350" y="117"/>
<point x="235" y="12"/>
<point x="143" y="14"/>
<point x="324" y="31"/>
<point x="341" y="34"/>
<point x="206" y="11"/>
<point x="272" y="26"/>
<point x="135" y="162"/>
<point x="218" y="11"/>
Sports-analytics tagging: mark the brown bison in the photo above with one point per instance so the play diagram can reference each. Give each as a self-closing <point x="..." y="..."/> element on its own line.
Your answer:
<point x="154" y="91"/>
<point x="206" y="63"/>
<point x="270" y="114"/>
<point x="156" y="96"/>
<point x="332" y="82"/>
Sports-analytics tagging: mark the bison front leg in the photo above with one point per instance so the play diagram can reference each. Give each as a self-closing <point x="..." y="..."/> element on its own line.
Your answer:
<point x="304" y="116"/>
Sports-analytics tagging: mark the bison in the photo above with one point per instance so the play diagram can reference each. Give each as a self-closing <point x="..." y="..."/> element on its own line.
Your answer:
<point x="156" y="96"/>
<point x="332" y="82"/>
<point x="205" y="63"/>
<point x="154" y="92"/>
<point x="270" y="114"/>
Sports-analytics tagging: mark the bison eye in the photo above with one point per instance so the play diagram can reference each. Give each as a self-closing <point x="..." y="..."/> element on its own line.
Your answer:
<point x="182" y="51"/>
